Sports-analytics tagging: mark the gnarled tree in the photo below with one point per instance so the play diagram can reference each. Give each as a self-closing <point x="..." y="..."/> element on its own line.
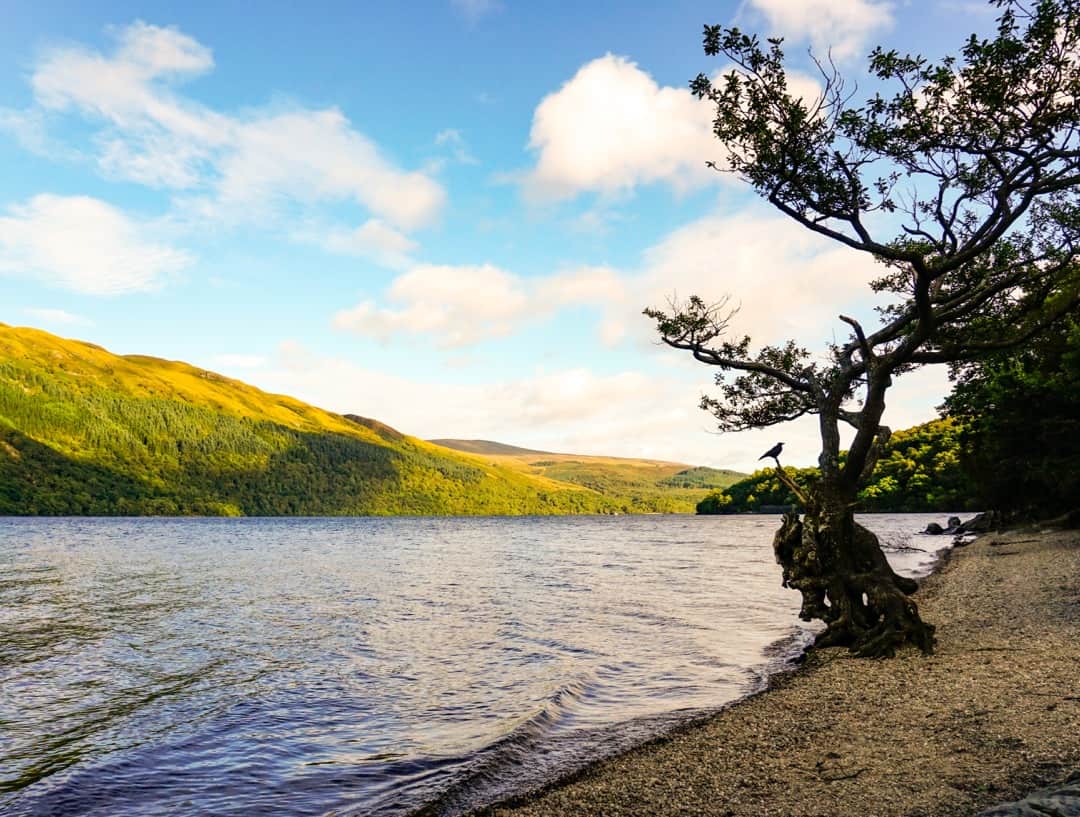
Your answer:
<point x="963" y="182"/>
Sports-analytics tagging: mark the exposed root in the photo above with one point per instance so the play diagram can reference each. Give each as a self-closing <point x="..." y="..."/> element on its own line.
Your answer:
<point x="844" y="579"/>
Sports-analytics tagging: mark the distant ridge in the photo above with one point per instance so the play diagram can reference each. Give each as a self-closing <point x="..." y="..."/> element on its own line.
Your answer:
<point x="645" y="480"/>
<point x="487" y="447"/>
<point x="497" y="449"/>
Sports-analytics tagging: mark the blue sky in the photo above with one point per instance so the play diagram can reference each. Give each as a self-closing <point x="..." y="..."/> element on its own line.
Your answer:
<point x="445" y="215"/>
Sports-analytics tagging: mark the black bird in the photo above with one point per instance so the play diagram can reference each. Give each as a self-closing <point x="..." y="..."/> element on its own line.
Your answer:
<point x="773" y="452"/>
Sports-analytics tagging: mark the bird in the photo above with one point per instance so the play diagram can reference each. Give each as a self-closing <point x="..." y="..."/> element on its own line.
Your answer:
<point x="773" y="452"/>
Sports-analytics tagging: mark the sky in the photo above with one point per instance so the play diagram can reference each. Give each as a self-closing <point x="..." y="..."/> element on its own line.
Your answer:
<point x="445" y="215"/>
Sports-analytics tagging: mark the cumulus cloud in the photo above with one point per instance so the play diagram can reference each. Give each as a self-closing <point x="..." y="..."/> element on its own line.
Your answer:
<point x="786" y="281"/>
<point x="458" y="305"/>
<point x="230" y="167"/>
<point x="597" y="285"/>
<point x="463" y="305"/>
<point x="612" y="127"/>
<point x="85" y="245"/>
<point x="839" y="26"/>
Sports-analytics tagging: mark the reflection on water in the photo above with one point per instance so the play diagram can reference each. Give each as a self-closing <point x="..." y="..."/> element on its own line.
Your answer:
<point x="365" y="666"/>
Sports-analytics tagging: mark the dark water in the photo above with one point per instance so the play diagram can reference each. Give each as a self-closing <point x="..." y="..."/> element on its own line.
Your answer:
<point x="368" y="666"/>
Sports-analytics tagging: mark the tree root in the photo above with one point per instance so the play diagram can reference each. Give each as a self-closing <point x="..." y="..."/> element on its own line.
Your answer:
<point x="845" y="581"/>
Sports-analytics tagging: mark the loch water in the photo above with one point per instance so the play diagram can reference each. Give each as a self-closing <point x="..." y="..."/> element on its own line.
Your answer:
<point x="371" y="666"/>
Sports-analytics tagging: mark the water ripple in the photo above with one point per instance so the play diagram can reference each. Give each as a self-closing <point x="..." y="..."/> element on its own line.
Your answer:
<point x="366" y="666"/>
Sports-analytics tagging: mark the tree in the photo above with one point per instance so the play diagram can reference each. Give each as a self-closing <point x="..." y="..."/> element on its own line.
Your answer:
<point x="1024" y="463"/>
<point x="970" y="166"/>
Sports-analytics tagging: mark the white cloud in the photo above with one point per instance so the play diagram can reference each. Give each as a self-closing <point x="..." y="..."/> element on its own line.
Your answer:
<point x="459" y="305"/>
<point x="249" y="167"/>
<point x="596" y="285"/>
<point x="464" y="305"/>
<point x="83" y="244"/>
<point x="373" y="239"/>
<point x="787" y="282"/>
<point x="312" y="156"/>
<point x="57" y="316"/>
<point x="790" y="284"/>
<point x="612" y="127"/>
<point x="840" y="26"/>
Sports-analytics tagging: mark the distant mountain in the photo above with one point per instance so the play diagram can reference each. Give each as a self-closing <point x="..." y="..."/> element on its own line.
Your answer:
<point x="83" y="431"/>
<point x="486" y="447"/>
<point x="645" y="481"/>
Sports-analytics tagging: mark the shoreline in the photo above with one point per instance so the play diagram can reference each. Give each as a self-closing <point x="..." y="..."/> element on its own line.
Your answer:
<point x="986" y="719"/>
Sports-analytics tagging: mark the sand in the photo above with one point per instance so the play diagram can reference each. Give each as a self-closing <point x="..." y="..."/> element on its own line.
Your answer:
<point x="993" y="714"/>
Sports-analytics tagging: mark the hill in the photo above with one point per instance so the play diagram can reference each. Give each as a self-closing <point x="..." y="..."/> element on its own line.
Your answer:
<point x="486" y="447"/>
<point x="83" y="431"/>
<point x="664" y="485"/>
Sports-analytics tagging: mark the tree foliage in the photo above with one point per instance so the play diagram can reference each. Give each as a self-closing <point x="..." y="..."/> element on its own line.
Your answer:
<point x="975" y="159"/>
<point x="919" y="471"/>
<point x="962" y="181"/>
<point x="1022" y="415"/>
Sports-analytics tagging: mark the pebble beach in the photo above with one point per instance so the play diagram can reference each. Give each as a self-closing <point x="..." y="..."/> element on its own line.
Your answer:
<point x="993" y="714"/>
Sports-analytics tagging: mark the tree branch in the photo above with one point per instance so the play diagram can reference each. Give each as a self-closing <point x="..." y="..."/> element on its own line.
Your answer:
<point x="790" y="484"/>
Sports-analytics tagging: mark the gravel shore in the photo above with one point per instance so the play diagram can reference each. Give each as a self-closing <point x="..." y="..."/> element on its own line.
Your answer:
<point x="994" y="713"/>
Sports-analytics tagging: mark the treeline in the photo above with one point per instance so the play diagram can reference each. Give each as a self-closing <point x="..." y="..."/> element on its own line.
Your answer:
<point x="919" y="471"/>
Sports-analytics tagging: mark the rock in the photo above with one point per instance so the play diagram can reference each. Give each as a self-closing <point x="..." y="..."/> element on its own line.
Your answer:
<point x="954" y="524"/>
<point x="934" y="528"/>
<point x="981" y="523"/>
<point x="1060" y="801"/>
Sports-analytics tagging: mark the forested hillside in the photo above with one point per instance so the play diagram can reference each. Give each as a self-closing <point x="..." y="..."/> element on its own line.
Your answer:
<point x="919" y="471"/>
<point x="83" y="431"/>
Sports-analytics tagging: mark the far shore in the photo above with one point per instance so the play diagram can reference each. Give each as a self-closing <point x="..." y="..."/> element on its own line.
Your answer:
<point x="992" y="715"/>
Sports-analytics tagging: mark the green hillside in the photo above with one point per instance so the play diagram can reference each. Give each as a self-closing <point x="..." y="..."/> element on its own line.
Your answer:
<point x="919" y="471"/>
<point x="83" y="431"/>
<point x="665" y="486"/>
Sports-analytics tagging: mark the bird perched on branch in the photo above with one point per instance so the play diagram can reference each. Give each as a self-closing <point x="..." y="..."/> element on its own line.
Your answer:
<point x="773" y="452"/>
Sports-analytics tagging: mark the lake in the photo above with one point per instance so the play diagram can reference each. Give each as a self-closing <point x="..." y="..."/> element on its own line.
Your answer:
<point x="371" y="666"/>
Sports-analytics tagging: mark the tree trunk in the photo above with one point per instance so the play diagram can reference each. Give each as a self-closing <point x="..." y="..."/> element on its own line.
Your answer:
<point x="845" y="580"/>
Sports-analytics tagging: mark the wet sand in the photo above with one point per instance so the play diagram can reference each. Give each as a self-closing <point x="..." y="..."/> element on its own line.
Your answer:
<point x="993" y="714"/>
